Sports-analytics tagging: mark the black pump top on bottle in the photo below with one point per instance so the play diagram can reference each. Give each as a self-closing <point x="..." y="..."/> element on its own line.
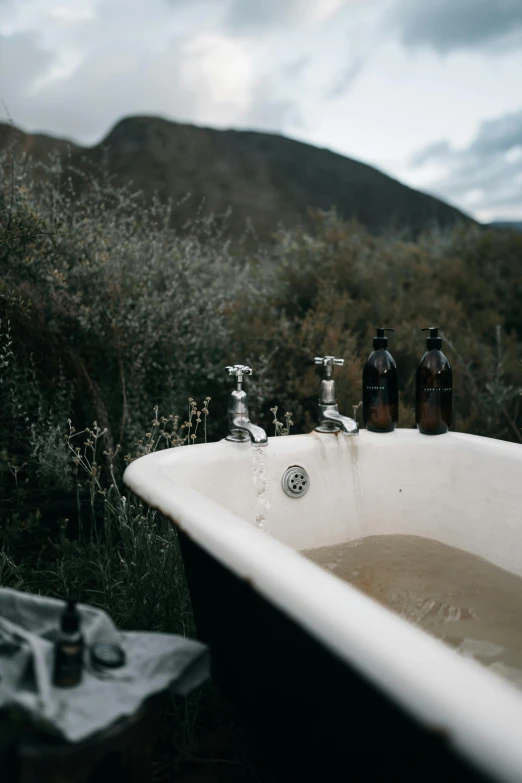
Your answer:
<point x="433" y="341"/>
<point x="380" y="341"/>
<point x="70" y="620"/>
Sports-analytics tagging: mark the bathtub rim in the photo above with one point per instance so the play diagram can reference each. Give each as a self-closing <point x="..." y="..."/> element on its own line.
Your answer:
<point x="479" y="712"/>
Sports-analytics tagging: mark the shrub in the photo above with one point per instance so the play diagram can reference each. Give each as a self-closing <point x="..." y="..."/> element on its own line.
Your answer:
<point x="105" y="307"/>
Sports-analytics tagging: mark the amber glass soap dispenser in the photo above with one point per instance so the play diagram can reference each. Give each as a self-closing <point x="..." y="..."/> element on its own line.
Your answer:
<point x="380" y="387"/>
<point x="433" y="408"/>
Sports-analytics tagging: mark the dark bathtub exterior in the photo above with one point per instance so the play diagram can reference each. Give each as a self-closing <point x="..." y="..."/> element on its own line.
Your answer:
<point x="313" y="716"/>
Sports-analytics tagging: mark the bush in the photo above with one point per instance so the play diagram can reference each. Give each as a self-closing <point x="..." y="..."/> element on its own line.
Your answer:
<point x="106" y="310"/>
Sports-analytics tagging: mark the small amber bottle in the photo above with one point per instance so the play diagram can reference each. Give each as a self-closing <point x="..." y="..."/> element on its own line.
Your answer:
<point x="434" y="392"/>
<point x="380" y="387"/>
<point x="68" y="649"/>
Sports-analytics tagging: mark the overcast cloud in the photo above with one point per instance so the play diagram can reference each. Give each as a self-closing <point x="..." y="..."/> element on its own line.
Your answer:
<point x="449" y="25"/>
<point x="487" y="174"/>
<point x="427" y="91"/>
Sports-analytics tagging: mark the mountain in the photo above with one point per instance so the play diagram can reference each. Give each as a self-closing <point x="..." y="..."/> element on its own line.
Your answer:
<point x="267" y="179"/>
<point x="513" y="225"/>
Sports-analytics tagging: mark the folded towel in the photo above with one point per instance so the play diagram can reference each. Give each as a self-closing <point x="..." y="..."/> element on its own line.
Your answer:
<point x="153" y="662"/>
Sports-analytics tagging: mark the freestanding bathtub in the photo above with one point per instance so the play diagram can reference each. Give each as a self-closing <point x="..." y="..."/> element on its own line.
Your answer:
<point x="328" y="678"/>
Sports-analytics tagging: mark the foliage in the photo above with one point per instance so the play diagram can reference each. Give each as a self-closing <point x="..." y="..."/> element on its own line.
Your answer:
<point x="104" y="308"/>
<point x="113" y="553"/>
<point x="328" y="290"/>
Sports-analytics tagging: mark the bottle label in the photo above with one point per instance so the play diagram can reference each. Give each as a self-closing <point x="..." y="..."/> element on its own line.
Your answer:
<point x="68" y="664"/>
<point x="376" y="395"/>
<point x="437" y="388"/>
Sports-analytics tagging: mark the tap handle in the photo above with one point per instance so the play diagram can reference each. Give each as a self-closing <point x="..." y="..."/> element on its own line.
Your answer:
<point x="238" y="370"/>
<point x="328" y="363"/>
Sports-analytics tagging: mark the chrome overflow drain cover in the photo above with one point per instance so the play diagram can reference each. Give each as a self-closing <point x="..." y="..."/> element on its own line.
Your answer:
<point x="295" y="481"/>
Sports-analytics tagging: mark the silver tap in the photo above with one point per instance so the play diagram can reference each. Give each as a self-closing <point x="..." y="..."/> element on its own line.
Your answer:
<point x="240" y="428"/>
<point x="330" y="420"/>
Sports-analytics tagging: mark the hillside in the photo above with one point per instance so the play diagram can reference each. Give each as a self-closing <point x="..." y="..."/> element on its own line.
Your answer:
<point x="507" y="225"/>
<point x="265" y="178"/>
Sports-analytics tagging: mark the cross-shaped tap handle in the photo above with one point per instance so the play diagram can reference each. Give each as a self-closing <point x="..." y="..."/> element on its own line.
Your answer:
<point x="328" y="363"/>
<point x="238" y="370"/>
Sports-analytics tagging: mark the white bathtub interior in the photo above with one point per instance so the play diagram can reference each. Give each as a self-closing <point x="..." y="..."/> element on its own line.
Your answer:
<point x="463" y="491"/>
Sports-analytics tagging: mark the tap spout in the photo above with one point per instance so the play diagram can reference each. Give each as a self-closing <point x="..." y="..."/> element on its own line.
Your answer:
<point x="242" y="429"/>
<point x="332" y="420"/>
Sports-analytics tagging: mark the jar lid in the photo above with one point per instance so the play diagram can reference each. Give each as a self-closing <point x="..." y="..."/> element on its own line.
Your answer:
<point x="105" y="655"/>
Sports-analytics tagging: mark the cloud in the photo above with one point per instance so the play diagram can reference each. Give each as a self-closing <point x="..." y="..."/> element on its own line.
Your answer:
<point x="499" y="136"/>
<point x="345" y="79"/>
<point x="296" y="67"/>
<point x="206" y="78"/>
<point x="268" y="111"/>
<point x="22" y="61"/>
<point x="198" y="78"/>
<point x="77" y="76"/>
<point x="486" y="175"/>
<point x="448" y="25"/>
<point x="247" y="17"/>
<point x="438" y="151"/>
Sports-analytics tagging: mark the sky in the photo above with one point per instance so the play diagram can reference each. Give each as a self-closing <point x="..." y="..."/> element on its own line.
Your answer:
<point x="428" y="91"/>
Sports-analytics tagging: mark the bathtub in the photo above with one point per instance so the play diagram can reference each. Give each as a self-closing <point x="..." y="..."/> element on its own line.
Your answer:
<point x="327" y="678"/>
